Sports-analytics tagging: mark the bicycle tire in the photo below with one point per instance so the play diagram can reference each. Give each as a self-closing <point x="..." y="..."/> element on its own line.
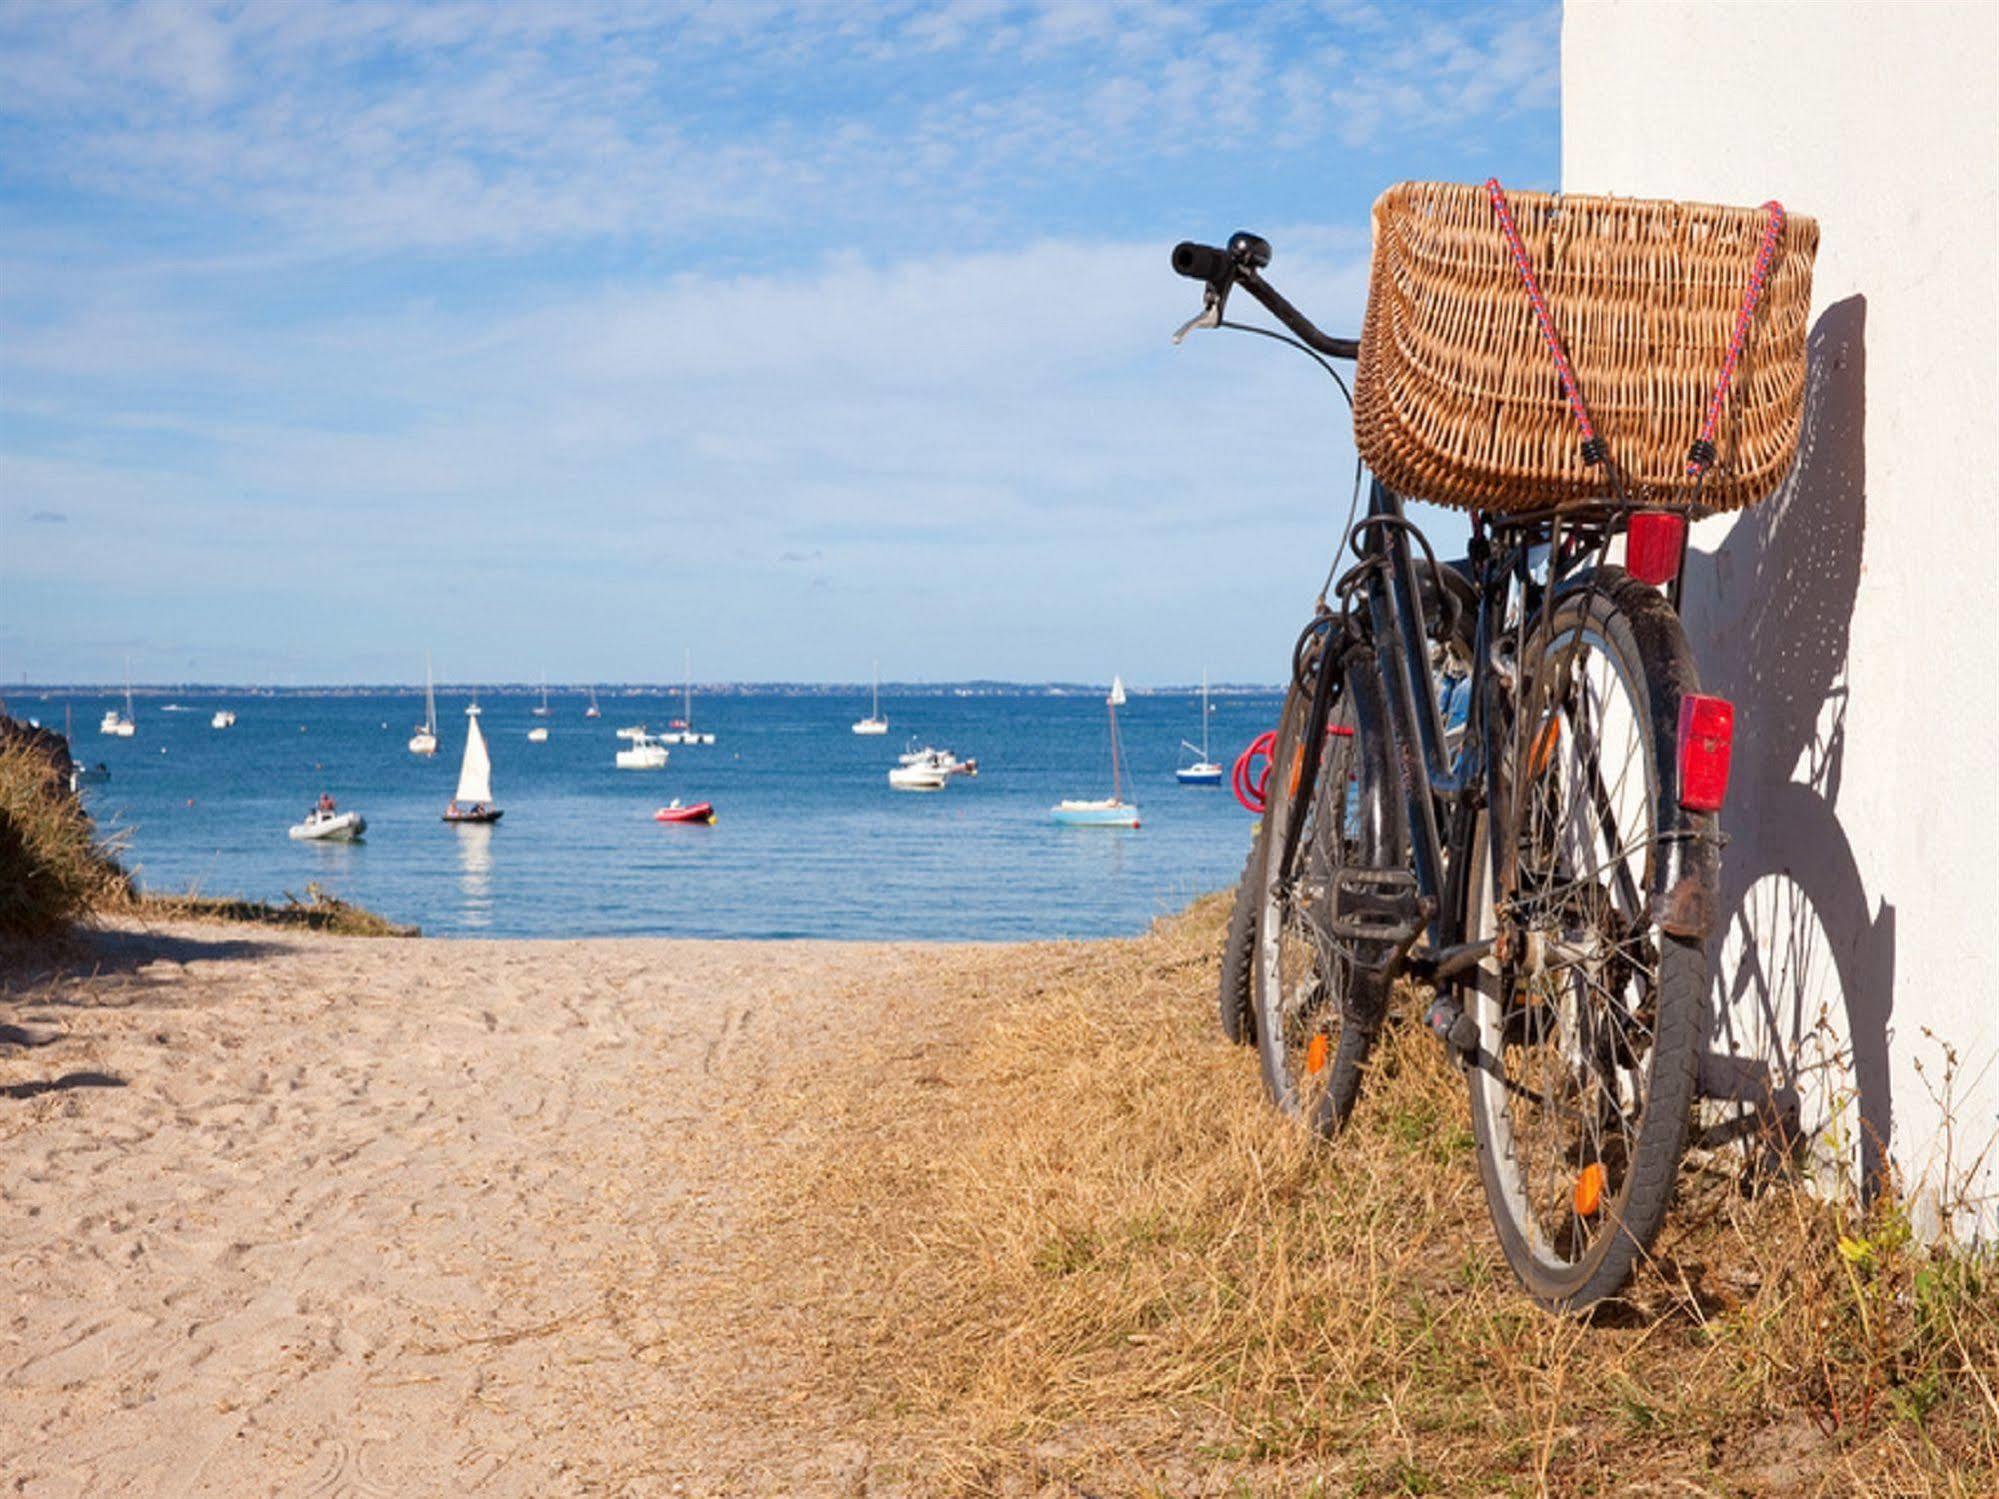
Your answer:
<point x="1589" y="1032"/>
<point x="1316" y="1015"/>
<point x="1237" y="997"/>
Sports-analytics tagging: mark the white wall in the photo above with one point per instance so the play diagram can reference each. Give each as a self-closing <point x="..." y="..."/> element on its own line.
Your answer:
<point x="1854" y="617"/>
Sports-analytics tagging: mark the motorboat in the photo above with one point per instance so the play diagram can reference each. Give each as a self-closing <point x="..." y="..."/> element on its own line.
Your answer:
<point x="641" y="752"/>
<point x="223" y="719"/>
<point x="1113" y="811"/>
<point x="538" y="734"/>
<point x="1204" y="771"/>
<point x="89" y="775"/>
<point x="473" y="801"/>
<point x="673" y="811"/>
<point x="939" y="759"/>
<point x="424" y="740"/>
<point x="874" y="723"/>
<point x="922" y="776"/>
<point x="325" y="823"/>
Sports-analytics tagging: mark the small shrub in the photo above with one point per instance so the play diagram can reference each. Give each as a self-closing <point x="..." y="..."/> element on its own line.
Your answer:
<point x="52" y="867"/>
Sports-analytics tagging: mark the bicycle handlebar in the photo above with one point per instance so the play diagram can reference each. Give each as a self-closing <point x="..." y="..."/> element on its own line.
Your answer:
<point x="1239" y="265"/>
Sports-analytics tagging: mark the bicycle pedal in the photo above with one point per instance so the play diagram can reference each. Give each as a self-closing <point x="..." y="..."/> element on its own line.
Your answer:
<point x="1378" y="905"/>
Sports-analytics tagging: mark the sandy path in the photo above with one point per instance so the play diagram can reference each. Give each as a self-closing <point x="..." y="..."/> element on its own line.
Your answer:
<point x="312" y="1215"/>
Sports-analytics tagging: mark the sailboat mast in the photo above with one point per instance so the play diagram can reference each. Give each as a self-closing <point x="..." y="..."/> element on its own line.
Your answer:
<point x="1204" y="716"/>
<point x="687" y="686"/>
<point x="875" y="697"/>
<point x="1117" y="785"/>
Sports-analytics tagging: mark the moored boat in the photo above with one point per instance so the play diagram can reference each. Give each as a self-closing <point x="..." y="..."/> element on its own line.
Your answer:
<point x="424" y="740"/>
<point x="923" y="776"/>
<point x="642" y="751"/>
<point x="673" y="811"/>
<point x="223" y="719"/>
<point x="874" y="723"/>
<point x="1112" y="811"/>
<point x="1204" y="771"/>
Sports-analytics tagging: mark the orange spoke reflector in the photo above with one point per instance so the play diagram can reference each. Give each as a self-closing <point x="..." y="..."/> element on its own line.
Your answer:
<point x="1544" y="746"/>
<point x="1315" y="1054"/>
<point x="1589" y="1190"/>
<point x="1297" y="770"/>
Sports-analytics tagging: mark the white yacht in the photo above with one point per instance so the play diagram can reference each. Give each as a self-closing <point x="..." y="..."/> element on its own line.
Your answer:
<point x="120" y="725"/>
<point x="874" y="723"/>
<point x="424" y="740"/>
<point x="223" y="719"/>
<point x="1204" y="771"/>
<point x="642" y="751"/>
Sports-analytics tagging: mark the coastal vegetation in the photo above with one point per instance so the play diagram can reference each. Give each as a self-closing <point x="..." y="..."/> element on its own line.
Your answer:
<point x="1060" y="1240"/>
<point x="53" y="868"/>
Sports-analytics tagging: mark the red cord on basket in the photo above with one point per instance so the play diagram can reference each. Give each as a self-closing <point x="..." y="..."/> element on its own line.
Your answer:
<point x="1702" y="453"/>
<point x="1593" y="449"/>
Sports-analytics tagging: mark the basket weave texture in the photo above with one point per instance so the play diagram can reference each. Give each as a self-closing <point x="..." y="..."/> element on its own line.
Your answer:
<point x="1457" y="399"/>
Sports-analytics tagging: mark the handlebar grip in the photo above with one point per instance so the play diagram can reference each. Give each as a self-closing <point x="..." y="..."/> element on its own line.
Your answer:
<point x="1201" y="262"/>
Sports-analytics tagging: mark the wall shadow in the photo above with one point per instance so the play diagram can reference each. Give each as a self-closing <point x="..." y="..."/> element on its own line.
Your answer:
<point x="1804" y="974"/>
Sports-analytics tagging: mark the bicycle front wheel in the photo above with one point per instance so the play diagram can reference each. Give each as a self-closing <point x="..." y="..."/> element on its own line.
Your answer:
<point x="1314" y="1024"/>
<point x="1590" y="1017"/>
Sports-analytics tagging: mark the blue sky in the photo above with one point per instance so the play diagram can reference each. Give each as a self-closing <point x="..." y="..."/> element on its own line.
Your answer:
<point x="553" y="337"/>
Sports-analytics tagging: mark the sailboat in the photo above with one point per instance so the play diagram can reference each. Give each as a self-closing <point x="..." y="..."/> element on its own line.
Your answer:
<point x="682" y="728"/>
<point x="115" y="724"/>
<point x="874" y="723"/>
<point x="424" y="740"/>
<point x="474" y="801"/>
<point x="1114" y="811"/>
<point x="542" y="710"/>
<point x="1203" y="772"/>
<point x="593" y="711"/>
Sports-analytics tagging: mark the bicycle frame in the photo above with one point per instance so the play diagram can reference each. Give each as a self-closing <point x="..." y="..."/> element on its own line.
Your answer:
<point x="1438" y="794"/>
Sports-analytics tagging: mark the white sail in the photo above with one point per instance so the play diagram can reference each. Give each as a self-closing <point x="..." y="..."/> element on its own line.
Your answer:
<point x="429" y="698"/>
<point x="1116" y="699"/>
<point x="475" y="775"/>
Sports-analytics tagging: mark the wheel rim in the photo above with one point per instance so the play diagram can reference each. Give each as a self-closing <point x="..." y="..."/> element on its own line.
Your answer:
<point x="1567" y="1022"/>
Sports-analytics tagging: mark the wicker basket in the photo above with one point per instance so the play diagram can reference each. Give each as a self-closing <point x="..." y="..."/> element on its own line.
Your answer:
<point x="1457" y="399"/>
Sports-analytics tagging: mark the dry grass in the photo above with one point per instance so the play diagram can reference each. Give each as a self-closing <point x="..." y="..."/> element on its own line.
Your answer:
<point x="318" y="912"/>
<point x="52" y="868"/>
<point x="1060" y="1240"/>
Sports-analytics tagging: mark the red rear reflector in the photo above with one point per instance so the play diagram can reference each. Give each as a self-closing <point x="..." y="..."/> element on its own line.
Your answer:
<point x="1707" y="731"/>
<point x="1654" y="542"/>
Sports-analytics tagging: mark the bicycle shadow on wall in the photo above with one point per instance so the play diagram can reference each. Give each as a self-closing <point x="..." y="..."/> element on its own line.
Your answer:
<point x="1804" y="969"/>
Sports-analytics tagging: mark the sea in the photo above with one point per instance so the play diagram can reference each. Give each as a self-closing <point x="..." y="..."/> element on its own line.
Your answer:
<point x="809" y="841"/>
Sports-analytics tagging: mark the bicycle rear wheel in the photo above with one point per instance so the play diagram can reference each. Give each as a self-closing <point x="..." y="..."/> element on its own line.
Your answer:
<point x="1590" y="1017"/>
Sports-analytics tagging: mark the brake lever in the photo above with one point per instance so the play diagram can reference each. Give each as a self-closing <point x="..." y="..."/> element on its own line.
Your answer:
<point x="1210" y="316"/>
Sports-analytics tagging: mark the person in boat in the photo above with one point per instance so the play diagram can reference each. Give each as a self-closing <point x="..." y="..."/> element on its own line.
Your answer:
<point x="325" y="803"/>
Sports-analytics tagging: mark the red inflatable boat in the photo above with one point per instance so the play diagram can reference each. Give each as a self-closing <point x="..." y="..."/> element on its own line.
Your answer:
<point x="699" y="812"/>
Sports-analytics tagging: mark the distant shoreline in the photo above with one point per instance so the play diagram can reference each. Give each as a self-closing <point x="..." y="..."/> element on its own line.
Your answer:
<point x="173" y="690"/>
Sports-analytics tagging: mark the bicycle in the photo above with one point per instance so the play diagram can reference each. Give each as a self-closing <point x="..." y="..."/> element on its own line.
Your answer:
<point x="1554" y="877"/>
